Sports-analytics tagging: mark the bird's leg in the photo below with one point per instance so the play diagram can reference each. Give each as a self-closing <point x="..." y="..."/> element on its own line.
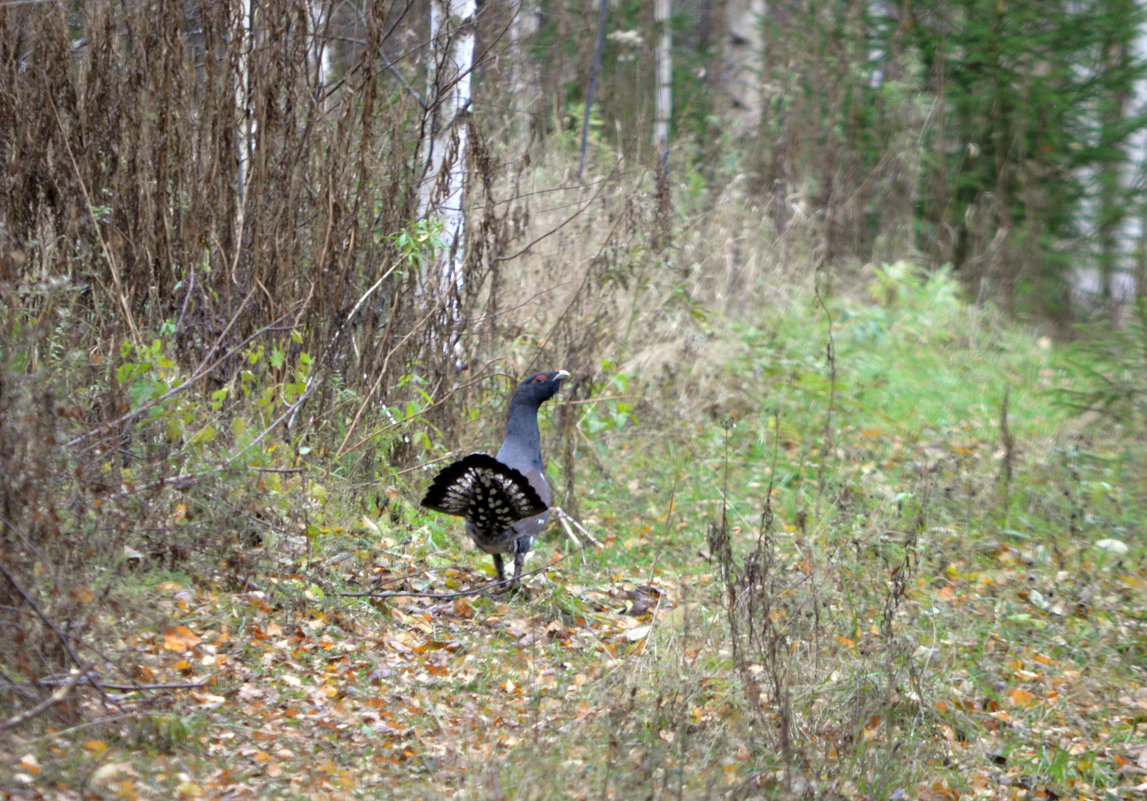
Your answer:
<point x="501" y="585"/>
<point x="519" y="561"/>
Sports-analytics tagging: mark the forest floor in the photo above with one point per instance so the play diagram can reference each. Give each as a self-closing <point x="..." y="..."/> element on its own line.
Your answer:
<point x="885" y="558"/>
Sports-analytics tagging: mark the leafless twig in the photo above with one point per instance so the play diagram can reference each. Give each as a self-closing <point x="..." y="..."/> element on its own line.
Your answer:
<point x="566" y="521"/>
<point x="64" y="642"/>
<point x="58" y="695"/>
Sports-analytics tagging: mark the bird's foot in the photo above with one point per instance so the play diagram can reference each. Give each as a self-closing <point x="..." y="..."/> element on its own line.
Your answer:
<point x="506" y="587"/>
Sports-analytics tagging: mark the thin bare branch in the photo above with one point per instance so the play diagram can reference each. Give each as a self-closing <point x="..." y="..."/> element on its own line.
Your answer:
<point x="58" y="696"/>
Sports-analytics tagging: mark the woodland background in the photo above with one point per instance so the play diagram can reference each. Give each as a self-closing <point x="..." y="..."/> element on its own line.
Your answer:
<point x="851" y="293"/>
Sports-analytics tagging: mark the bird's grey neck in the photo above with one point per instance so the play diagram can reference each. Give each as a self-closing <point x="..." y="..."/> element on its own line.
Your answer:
<point x="522" y="429"/>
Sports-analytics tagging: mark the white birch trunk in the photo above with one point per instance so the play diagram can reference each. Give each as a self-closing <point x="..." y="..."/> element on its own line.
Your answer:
<point x="742" y="65"/>
<point x="445" y="142"/>
<point x="1117" y="272"/>
<point x="1139" y="157"/>
<point x="663" y="103"/>
<point x="243" y="112"/>
<point x="318" y="54"/>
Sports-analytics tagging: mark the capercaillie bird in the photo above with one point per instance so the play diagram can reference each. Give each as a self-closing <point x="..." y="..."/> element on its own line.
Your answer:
<point x="504" y="499"/>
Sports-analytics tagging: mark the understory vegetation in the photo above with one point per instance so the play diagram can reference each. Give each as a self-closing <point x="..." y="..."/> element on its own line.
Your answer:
<point x="840" y="524"/>
<point x="871" y="542"/>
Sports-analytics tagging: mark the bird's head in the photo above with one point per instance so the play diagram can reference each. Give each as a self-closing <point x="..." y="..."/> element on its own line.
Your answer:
<point x="539" y="387"/>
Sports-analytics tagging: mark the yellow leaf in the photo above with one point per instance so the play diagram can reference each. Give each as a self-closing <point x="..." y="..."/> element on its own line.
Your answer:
<point x="1021" y="697"/>
<point x="179" y="638"/>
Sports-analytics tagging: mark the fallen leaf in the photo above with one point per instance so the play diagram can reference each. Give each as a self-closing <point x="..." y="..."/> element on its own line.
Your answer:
<point x="1112" y="546"/>
<point x="1021" y="697"/>
<point x="110" y="772"/>
<point x="179" y="638"/>
<point x="638" y="633"/>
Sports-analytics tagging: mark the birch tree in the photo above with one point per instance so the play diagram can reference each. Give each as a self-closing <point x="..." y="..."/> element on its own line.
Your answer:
<point x="742" y="64"/>
<point x="1139" y="154"/>
<point x="1120" y="72"/>
<point x="244" y="116"/>
<point x="444" y="150"/>
<point x="663" y="103"/>
<point x="318" y="51"/>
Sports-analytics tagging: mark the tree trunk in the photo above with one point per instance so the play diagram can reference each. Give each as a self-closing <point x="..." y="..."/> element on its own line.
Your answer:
<point x="318" y="53"/>
<point x="244" y="117"/>
<point x="742" y="65"/>
<point x="524" y="78"/>
<point x="444" y="142"/>
<point x="663" y="105"/>
<point x="1139" y="155"/>
<point x="602" y="19"/>
<point x="1113" y="179"/>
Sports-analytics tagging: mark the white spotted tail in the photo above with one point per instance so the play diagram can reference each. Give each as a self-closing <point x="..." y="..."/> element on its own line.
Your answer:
<point x="490" y="495"/>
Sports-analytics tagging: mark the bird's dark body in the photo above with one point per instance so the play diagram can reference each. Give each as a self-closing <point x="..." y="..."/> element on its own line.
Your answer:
<point x="504" y="499"/>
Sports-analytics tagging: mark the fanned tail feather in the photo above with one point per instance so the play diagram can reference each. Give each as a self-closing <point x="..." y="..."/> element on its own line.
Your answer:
<point x="490" y="495"/>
